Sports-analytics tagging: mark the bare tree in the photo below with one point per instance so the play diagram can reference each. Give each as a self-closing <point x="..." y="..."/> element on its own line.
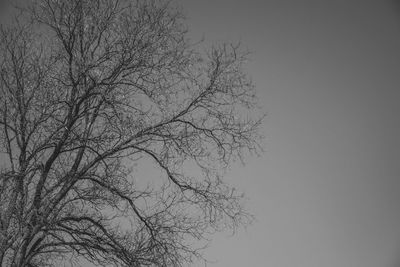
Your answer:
<point x="92" y="90"/>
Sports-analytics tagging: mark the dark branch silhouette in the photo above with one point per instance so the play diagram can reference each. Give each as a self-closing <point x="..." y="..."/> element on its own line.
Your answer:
<point x="92" y="90"/>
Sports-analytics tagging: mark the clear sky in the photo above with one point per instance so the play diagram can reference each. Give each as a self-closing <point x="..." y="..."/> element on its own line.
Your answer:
<point x="326" y="192"/>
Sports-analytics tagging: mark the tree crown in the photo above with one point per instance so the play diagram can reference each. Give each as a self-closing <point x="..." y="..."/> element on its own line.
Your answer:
<point x="92" y="90"/>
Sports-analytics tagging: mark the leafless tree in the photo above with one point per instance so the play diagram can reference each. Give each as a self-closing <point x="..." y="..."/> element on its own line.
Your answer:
<point x="94" y="90"/>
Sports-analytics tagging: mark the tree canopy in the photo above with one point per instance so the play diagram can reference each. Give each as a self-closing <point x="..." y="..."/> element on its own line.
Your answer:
<point x="94" y="90"/>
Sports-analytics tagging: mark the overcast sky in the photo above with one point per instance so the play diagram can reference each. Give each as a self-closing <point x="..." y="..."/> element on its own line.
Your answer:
<point x="326" y="191"/>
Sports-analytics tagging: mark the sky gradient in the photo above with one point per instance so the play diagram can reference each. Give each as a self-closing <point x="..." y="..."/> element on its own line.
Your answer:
<point x="326" y="192"/>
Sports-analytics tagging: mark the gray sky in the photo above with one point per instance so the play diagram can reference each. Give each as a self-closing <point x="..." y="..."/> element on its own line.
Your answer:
<point x="326" y="191"/>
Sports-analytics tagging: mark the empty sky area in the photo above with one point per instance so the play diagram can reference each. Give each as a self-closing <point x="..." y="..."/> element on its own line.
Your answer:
<point x="326" y="192"/>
